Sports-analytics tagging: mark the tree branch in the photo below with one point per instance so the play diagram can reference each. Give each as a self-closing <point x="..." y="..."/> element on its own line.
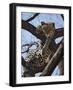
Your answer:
<point x="29" y="27"/>
<point x="62" y="16"/>
<point x="32" y="17"/>
<point x="59" y="32"/>
<point x="32" y="29"/>
<point x="61" y="66"/>
<point x="34" y="65"/>
<point x="53" y="62"/>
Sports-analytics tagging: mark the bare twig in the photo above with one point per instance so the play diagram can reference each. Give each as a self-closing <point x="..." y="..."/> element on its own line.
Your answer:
<point x="62" y="16"/>
<point x="30" y="19"/>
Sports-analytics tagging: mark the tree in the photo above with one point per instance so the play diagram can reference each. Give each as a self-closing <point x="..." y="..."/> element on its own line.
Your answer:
<point x="46" y="68"/>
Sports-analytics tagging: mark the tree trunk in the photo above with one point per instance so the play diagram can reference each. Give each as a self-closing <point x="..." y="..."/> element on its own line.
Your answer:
<point x="53" y="62"/>
<point x="61" y="66"/>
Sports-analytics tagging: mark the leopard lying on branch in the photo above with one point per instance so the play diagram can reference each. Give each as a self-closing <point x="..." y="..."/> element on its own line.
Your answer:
<point x="39" y="61"/>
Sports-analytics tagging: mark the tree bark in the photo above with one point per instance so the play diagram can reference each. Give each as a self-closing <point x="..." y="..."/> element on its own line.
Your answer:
<point x="54" y="61"/>
<point x="61" y="66"/>
<point x="59" y="32"/>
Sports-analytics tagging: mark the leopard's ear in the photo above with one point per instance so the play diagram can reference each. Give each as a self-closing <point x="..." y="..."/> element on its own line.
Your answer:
<point x="42" y="23"/>
<point x="53" y="24"/>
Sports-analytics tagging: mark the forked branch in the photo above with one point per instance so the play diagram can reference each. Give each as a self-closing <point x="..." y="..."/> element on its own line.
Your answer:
<point x="54" y="61"/>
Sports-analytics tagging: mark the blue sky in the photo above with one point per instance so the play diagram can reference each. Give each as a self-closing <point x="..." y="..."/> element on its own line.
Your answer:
<point x="46" y="17"/>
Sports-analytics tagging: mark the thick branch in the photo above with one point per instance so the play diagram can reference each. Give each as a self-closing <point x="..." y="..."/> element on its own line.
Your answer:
<point x="59" y="32"/>
<point x="53" y="62"/>
<point x="32" y="17"/>
<point x="32" y="29"/>
<point x="29" y="27"/>
<point x="61" y="66"/>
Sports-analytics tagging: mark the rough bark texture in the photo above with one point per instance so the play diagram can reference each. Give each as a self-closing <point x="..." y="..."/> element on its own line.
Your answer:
<point x="53" y="62"/>
<point x="61" y="66"/>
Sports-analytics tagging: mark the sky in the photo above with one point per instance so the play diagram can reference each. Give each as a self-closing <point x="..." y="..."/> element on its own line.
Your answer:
<point x="27" y="37"/>
<point x="46" y="17"/>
